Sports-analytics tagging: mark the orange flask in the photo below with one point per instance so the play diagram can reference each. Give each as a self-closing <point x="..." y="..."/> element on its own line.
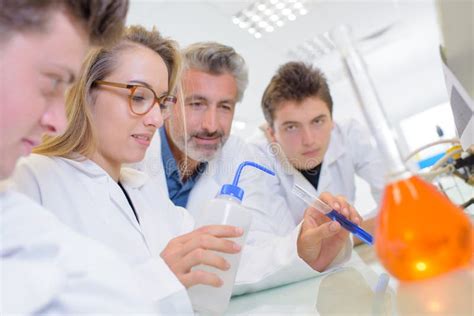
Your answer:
<point x="420" y="233"/>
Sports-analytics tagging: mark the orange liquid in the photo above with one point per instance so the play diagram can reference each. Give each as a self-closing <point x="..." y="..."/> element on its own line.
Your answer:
<point x="420" y="233"/>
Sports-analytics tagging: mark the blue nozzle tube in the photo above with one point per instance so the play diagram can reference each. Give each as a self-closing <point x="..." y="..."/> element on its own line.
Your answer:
<point x="233" y="189"/>
<point x="249" y="163"/>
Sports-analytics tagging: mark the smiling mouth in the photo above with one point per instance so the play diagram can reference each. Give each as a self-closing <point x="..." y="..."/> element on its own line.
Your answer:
<point x="144" y="140"/>
<point x="207" y="139"/>
<point x="142" y="137"/>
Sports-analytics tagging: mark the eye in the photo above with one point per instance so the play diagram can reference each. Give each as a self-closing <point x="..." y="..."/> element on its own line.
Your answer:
<point x="196" y="104"/>
<point x="55" y="86"/>
<point x="226" y="107"/>
<point x="291" y="128"/>
<point x="138" y="98"/>
<point x="319" y="121"/>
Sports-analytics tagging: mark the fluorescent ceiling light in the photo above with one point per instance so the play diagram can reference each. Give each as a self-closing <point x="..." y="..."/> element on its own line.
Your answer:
<point x="264" y="16"/>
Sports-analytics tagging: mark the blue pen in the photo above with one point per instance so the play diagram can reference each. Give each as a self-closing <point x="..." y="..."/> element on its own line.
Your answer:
<point x="322" y="207"/>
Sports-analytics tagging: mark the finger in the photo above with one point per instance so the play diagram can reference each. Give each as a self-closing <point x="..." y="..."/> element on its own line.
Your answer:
<point x="225" y="231"/>
<point x="355" y="216"/>
<point x="330" y="200"/>
<point x="206" y="241"/>
<point x="205" y="257"/>
<point x="309" y="219"/>
<point x="315" y="215"/>
<point x="200" y="277"/>
<point x="216" y="230"/>
<point x="321" y="232"/>
<point x="348" y="210"/>
<point x="345" y="206"/>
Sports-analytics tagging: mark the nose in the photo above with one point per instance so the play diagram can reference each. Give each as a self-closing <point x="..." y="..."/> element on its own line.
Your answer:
<point x="154" y="117"/>
<point x="53" y="121"/>
<point x="209" y="121"/>
<point x="307" y="137"/>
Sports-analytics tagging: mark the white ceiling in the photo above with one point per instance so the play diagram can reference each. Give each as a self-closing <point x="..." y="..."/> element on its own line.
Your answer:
<point x="404" y="61"/>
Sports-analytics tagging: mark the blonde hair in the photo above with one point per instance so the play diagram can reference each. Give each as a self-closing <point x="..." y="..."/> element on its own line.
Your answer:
<point x="80" y="135"/>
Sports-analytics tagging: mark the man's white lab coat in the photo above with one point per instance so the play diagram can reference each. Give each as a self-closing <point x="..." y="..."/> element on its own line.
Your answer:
<point x="46" y="268"/>
<point x="270" y="256"/>
<point x="84" y="197"/>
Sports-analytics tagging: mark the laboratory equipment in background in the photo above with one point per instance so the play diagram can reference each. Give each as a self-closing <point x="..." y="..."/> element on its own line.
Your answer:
<point x="456" y="21"/>
<point x="225" y="209"/>
<point x="419" y="234"/>
<point x="322" y="207"/>
<point x="452" y="172"/>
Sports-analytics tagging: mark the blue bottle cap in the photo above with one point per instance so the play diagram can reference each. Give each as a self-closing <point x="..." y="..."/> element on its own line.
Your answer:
<point x="233" y="189"/>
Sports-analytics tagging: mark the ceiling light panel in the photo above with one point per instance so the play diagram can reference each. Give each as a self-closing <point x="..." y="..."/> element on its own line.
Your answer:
<point x="266" y="16"/>
<point x="313" y="48"/>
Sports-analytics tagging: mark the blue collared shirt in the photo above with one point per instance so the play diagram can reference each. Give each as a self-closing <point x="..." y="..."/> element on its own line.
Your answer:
<point x="178" y="191"/>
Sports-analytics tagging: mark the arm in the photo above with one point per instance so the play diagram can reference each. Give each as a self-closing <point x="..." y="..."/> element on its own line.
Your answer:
<point x="47" y="268"/>
<point x="314" y="246"/>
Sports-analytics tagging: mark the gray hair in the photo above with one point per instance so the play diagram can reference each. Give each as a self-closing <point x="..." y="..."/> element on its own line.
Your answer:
<point x="216" y="59"/>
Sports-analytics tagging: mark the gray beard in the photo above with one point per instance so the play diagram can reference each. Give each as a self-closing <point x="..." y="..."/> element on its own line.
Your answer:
<point x="196" y="153"/>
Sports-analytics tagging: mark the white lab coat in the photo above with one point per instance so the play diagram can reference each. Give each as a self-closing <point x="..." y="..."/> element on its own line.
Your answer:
<point x="46" y="268"/>
<point x="270" y="257"/>
<point x="350" y="153"/>
<point x="83" y="196"/>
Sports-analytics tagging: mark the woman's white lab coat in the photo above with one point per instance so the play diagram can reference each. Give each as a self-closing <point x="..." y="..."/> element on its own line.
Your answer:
<point x="350" y="153"/>
<point x="270" y="256"/>
<point x="84" y="197"/>
<point x="46" y="268"/>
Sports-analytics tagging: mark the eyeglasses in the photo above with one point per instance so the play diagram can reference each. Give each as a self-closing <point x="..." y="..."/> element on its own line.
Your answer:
<point x="142" y="99"/>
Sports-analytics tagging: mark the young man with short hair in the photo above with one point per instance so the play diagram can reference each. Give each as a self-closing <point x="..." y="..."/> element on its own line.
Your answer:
<point x="45" y="267"/>
<point x="305" y="146"/>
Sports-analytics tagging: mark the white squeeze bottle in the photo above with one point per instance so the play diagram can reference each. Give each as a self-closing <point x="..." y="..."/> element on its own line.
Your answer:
<point x="224" y="209"/>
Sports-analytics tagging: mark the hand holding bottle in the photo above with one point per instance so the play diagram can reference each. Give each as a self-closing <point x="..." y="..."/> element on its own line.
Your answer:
<point x="198" y="247"/>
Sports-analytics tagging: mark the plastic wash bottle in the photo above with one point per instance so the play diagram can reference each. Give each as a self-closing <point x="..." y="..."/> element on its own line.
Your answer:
<point x="224" y="209"/>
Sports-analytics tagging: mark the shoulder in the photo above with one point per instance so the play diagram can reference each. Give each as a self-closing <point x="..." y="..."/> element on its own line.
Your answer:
<point x="234" y="149"/>
<point x="233" y="142"/>
<point x="40" y="164"/>
<point x="35" y="164"/>
<point x="22" y="214"/>
<point x="260" y="144"/>
<point x="34" y="160"/>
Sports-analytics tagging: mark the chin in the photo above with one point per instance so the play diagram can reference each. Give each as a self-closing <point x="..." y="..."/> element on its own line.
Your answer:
<point x="309" y="164"/>
<point x="135" y="158"/>
<point x="201" y="155"/>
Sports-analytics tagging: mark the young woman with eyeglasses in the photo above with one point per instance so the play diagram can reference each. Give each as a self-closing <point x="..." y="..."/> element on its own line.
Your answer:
<point x="122" y="96"/>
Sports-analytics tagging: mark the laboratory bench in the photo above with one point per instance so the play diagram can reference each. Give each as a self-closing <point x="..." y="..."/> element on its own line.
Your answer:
<point x="360" y="287"/>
